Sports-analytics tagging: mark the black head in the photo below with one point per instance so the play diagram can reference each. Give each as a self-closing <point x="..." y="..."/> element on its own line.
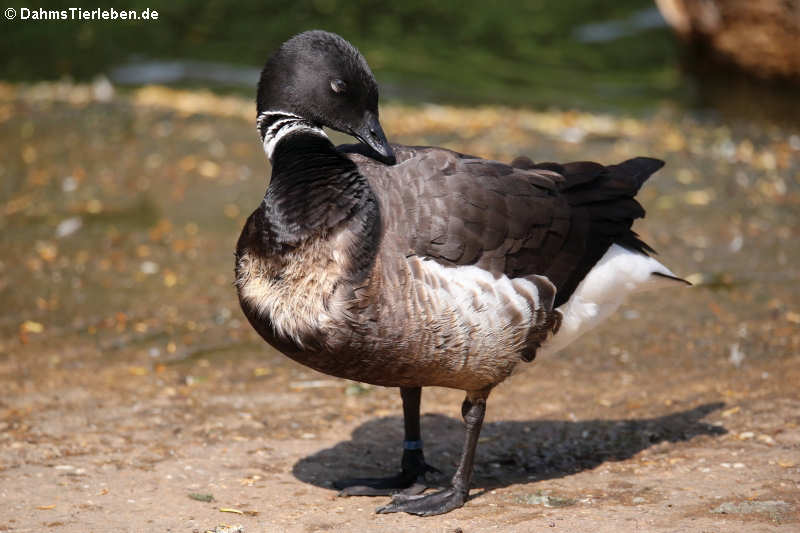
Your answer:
<point x="324" y="79"/>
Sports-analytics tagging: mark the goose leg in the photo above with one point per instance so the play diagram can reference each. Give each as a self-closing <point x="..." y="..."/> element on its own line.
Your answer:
<point x="473" y="409"/>
<point x="411" y="479"/>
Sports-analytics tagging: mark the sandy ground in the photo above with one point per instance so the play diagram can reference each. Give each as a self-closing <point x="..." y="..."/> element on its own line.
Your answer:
<point x="133" y="389"/>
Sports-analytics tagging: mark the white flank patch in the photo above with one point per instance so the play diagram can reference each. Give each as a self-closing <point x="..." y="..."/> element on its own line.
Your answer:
<point x="286" y="126"/>
<point x="486" y="305"/>
<point x="619" y="273"/>
<point x="474" y="290"/>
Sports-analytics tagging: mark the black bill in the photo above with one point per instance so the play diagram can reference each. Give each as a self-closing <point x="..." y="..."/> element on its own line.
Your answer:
<point x="371" y="134"/>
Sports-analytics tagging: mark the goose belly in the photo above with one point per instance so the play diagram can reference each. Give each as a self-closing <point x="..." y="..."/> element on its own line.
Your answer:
<point x="462" y="326"/>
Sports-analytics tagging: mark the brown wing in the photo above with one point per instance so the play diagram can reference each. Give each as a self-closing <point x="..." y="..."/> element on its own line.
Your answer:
<point x="547" y="219"/>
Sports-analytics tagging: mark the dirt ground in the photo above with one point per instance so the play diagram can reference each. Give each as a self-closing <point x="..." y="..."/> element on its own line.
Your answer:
<point x="134" y="397"/>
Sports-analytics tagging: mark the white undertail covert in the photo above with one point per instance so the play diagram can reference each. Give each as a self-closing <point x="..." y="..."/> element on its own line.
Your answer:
<point x="619" y="273"/>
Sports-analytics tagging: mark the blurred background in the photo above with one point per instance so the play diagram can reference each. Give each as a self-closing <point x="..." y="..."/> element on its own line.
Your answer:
<point x="130" y="162"/>
<point x="580" y="53"/>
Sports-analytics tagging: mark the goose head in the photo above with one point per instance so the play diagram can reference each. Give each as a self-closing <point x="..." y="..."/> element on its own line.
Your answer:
<point x="325" y="80"/>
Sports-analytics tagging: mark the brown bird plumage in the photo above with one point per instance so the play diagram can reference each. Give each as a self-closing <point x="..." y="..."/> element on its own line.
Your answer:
<point x="436" y="269"/>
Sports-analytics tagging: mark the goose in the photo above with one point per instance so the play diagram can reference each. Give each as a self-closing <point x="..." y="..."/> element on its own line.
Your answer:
<point x="411" y="267"/>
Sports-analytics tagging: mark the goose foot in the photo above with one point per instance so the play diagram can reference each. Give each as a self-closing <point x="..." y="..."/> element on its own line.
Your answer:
<point x="440" y="502"/>
<point x="411" y="480"/>
<point x="473" y="410"/>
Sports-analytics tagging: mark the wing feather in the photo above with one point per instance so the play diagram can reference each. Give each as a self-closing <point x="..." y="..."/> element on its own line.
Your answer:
<point x="521" y="220"/>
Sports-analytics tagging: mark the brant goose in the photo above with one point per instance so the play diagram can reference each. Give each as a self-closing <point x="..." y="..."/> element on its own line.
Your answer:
<point x="418" y="266"/>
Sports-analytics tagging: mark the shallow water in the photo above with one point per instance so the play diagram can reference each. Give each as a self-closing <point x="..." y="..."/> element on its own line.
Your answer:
<point x="119" y="217"/>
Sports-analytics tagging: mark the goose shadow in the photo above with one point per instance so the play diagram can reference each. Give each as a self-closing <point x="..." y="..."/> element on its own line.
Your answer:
<point x="509" y="452"/>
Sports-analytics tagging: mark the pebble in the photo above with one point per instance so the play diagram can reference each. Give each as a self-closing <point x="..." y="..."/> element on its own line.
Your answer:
<point x="766" y="439"/>
<point x="68" y="226"/>
<point x="749" y="507"/>
<point x="148" y="267"/>
<point x="69" y="184"/>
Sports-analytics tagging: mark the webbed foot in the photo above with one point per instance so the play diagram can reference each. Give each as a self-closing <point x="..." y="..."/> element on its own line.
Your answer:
<point x="426" y="505"/>
<point x="411" y="480"/>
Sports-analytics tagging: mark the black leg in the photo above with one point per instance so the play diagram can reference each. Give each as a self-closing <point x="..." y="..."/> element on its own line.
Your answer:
<point x="473" y="410"/>
<point x="411" y="479"/>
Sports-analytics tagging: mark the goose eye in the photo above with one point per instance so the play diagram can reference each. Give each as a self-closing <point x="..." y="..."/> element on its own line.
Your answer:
<point x="338" y="86"/>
